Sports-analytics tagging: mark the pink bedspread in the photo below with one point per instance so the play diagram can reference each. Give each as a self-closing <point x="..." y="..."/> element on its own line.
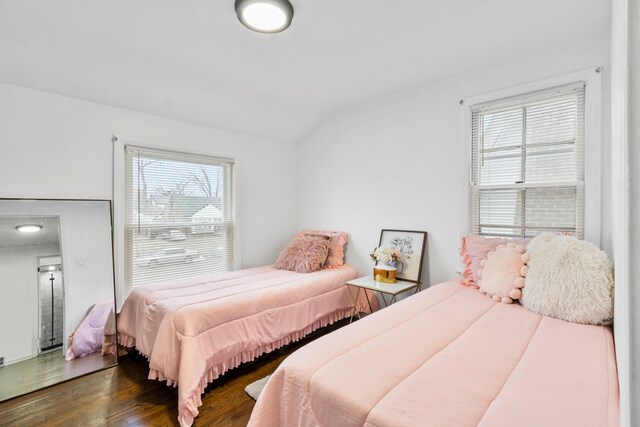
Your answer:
<point x="90" y="334"/>
<point x="448" y="356"/>
<point x="194" y="330"/>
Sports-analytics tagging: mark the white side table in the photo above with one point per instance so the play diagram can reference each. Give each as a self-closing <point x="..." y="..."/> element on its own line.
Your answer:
<point x="367" y="282"/>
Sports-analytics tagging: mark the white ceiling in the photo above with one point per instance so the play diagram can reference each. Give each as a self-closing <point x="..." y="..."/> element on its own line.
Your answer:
<point x="192" y="60"/>
<point x="10" y="237"/>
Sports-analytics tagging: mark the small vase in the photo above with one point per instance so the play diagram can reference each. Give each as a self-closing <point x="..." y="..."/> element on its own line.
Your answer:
<point x="384" y="273"/>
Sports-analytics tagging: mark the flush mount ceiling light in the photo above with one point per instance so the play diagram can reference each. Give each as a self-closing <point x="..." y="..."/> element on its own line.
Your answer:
<point x="29" y="228"/>
<point x="54" y="267"/>
<point x="265" y="16"/>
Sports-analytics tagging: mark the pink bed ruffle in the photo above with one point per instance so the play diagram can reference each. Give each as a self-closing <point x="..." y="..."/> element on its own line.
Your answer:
<point x="189" y="410"/>
<point x="128" y="341"/>
<point x="192" y="331"/>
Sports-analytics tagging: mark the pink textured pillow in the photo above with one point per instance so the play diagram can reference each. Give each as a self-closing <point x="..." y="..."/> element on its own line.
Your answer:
<point x="303" y="255"/>
<point x="337" y="241"/>
<point x="474" y="249"/>
<point x="503" y="271"/>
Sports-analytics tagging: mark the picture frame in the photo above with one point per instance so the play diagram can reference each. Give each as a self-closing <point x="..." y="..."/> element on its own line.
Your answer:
<point x="413" y="244"/>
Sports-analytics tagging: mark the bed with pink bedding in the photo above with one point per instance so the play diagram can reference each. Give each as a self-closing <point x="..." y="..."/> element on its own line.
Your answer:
<point x="448" y="356"/>
<point x="193" y="330"/>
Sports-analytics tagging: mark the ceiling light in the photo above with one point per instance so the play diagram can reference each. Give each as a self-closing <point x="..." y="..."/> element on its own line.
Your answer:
<point x="54" y="267"/>
<point x="29" y="228"/>
<point x="265" y="16"/>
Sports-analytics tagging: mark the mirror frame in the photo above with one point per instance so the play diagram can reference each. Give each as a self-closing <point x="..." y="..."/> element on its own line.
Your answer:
<point x="113" y="286"/>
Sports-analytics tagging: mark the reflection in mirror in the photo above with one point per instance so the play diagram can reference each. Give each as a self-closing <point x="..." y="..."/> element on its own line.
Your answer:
<point x="57" y="317"/>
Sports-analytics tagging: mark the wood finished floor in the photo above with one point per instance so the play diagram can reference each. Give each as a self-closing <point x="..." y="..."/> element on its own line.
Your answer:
<point x="45" y="370"/>
<point x="123" y="396"/>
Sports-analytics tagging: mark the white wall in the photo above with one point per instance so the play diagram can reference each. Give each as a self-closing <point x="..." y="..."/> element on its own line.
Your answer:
<point x="626" y="201"/>
<point x="19" y="302"/>
<point x="42" y="130"/>
<point x="398" y="161"/>
<point x="634" y="203"/>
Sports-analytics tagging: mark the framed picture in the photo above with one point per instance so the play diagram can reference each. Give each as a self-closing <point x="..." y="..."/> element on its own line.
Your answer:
<point x="412" y="245"/>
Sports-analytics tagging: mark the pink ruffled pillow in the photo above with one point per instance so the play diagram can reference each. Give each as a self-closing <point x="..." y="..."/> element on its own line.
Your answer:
<point x="337" y="241"/>
<point x="503" y="272"/>
<point x="303" y="255"/>
<point x="474" y="249"/>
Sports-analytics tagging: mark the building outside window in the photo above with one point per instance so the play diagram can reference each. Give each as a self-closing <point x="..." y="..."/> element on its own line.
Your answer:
<point x="179" y="216"/>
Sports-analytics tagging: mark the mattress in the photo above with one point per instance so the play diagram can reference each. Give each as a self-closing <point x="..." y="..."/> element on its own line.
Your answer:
<point x="448" y="356"/>
<point x="194" y="330"/>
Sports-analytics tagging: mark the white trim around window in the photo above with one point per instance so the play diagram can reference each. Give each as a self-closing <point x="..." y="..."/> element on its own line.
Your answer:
<point x="592" y="144"/>
<point x="622" y="169"/>
<point x="120" y="145"/>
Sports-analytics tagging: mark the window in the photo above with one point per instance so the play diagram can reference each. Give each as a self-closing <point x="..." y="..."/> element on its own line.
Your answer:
<point x="179" y="216"/>
<point x="527" y="164"/>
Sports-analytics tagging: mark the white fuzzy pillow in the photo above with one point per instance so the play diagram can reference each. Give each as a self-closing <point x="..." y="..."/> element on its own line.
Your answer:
<point x="569" y="279"/>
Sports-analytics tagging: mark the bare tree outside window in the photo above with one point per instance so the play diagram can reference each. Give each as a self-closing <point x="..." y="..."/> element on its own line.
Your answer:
<point x="179" y="216"/>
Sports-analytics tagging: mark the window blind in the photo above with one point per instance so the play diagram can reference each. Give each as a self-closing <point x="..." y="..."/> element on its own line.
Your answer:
<point x="527" y="164"/>
<point x="179" y="216"/>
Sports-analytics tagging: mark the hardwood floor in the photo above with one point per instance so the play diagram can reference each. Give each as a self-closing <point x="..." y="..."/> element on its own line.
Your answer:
<point x="123" y="396"/>
<point x="45" y="370"/>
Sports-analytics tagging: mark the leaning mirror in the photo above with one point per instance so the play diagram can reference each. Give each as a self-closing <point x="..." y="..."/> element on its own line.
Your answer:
<point x="57" y="317"/>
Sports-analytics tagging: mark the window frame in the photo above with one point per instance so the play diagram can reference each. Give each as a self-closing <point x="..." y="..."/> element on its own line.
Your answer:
<point x="592" y="142"/>
<point x="120" y="142"/>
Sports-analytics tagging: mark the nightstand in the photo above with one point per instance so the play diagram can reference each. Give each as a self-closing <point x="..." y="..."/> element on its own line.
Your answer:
<point x="367" y="282"/>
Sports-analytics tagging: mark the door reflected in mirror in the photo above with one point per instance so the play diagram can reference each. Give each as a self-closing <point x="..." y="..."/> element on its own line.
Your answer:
<point x="57" y="317"/>
<point x="50" y="299"/>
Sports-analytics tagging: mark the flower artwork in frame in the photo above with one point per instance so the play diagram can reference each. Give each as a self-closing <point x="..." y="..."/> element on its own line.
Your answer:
<point x="406" y="248"/>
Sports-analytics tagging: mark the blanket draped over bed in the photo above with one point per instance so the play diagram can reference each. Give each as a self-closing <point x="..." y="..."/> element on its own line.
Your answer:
<point x="95" y="332"/>
<point x="194" y="330"/>
<point x="448" y="356"/>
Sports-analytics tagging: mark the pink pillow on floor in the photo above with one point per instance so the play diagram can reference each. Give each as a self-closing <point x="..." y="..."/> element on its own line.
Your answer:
<point x="503" y="271"/>
<point x="337" y="241"/>
<point x="474" y="249"/>
<point x="303" y="255"/>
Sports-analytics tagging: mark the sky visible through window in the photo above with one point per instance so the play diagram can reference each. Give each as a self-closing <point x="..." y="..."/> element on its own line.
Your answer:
<point x="165" y="177"/>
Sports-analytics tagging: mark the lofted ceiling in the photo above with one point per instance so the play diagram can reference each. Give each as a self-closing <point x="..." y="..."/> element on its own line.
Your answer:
<point x="193" y="61"/>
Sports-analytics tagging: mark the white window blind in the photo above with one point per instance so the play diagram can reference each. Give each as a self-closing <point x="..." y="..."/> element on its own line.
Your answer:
<point x="527" y="164"/>
<point x="179" y="216"/>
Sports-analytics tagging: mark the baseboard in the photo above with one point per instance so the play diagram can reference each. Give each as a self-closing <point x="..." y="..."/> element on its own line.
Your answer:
<point x="8" y="362"/>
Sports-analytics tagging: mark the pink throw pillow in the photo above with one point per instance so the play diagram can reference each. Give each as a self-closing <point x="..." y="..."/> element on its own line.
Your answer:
<point x="474" y="249"/>
<point x="503" y="271"/>
<point x="337" y="241"/>
<point x="303" y="255"/>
